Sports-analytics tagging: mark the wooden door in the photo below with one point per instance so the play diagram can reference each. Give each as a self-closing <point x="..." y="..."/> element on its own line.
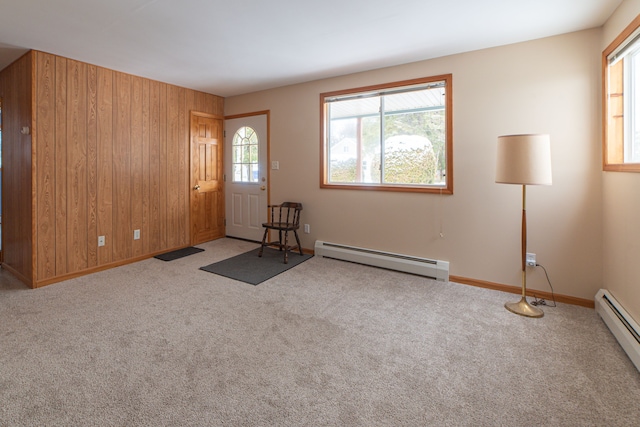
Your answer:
<point x="207" y="186"/>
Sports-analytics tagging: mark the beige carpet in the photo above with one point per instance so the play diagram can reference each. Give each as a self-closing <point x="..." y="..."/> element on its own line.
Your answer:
<point x="326" y="343"/>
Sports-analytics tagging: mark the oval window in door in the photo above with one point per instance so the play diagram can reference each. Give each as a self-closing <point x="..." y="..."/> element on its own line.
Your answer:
<point x="245" y="155"/>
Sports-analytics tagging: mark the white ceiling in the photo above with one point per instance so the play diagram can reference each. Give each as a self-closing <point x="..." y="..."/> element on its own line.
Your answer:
<point x="230" y="47"/>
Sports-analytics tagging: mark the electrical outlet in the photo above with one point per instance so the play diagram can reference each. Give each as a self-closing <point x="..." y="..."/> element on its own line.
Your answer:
<point x="531" y="259"/>
<point x="136" y="234"/>
<point x="307" y="228"/>
<point x="101" y="240"/>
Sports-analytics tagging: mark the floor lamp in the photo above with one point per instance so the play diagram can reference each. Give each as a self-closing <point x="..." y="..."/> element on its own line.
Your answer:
<point x="524" y="160"/>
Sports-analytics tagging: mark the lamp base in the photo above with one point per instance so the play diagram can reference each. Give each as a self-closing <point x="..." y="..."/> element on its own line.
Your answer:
<point x="523" y="308"/>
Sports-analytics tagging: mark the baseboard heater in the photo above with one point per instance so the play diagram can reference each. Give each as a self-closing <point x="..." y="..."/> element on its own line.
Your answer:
<point x="434" y="269"/>
<point x="621" y="325"/>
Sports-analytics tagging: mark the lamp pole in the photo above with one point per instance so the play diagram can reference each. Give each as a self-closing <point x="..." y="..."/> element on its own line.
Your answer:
<point x="522" y="307"/>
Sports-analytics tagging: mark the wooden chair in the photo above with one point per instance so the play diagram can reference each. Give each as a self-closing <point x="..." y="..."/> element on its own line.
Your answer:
<point x="284" y="218"/>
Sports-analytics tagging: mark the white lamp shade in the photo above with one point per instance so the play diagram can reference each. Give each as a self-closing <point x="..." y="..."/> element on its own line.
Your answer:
<point x="524" y="159"/>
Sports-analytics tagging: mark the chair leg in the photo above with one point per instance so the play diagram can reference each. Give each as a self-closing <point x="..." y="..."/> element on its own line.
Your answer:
<point x="286" y="248"/>
<point x="264" y="239"/>
<point x="298" y="240"/>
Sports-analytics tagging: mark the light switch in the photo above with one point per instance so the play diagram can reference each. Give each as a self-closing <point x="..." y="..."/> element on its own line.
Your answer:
<point x="275" y="165"/>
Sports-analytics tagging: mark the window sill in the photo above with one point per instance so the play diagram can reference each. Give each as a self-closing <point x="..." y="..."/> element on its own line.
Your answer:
<point x="396" y="188"/>
<point x="623" y="167"/>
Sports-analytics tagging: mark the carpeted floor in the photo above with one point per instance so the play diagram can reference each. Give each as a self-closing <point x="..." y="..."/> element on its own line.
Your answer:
<point x="326" y="343"/>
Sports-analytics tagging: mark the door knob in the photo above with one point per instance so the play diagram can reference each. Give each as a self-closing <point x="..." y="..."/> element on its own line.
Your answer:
<point x="263" y="188"/>
<point x="197" y="187"/>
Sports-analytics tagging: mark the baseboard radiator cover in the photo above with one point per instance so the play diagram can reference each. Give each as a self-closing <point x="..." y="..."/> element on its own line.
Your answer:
<point x="620" y="323"/>
<point x="434" y="269"/>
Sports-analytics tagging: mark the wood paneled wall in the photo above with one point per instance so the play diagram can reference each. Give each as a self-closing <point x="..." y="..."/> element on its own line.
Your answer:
<point x="17" y="200"/>
<point x="111" y="156"/>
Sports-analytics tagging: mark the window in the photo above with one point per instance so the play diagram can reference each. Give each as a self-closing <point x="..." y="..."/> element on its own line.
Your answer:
<point x="245" y="155"/>
<point x="621" y="121"/>
<point x="394" y="137"/>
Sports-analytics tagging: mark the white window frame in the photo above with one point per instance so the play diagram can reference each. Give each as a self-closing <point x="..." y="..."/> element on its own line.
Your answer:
<point x="252" y="171"/>
<point x="632" y="86"/>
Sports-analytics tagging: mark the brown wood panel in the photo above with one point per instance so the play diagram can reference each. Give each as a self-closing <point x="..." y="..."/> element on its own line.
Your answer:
<point x="162" y="202"/>
<point x="27" y="151"/>
<point x="76" y="166"/>
<point x="17" y="217"/>
<point x="136" y="163"/>
<point x="61" y="166"/>
<point x="92" y="166"/>
<point x="173" y="168"/>
<point x="197" y="101"/>
<point x="183" y="156"/>
<point x="122" y="231"/>
<point x="114" y="156"/>
<point x="46" y="210"/>
<point x="105" y="163"/>
<point x="154" y="167"/>
<point x="218" y="105"/>
<point x="146" y="202"/>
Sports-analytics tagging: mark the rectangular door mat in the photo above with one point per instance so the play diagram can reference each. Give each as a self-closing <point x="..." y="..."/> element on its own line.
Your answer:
<point x="170" y="256"/>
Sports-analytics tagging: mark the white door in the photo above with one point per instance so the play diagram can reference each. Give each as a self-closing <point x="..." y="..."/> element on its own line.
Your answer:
<point x="247" y="176"/>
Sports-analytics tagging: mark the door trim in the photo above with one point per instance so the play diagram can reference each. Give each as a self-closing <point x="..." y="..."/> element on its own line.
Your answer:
<point x="257" y="113"/>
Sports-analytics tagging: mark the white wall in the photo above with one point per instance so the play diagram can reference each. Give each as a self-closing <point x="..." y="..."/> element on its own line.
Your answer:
<point x="550" y="86"/>
<point x="621" y="194"/>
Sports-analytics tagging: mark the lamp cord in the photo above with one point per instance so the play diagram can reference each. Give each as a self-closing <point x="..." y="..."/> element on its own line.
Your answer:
<point x="541" y="301"/>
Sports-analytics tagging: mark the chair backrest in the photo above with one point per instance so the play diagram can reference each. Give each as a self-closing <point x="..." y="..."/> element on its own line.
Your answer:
<point x="287" y="212"/>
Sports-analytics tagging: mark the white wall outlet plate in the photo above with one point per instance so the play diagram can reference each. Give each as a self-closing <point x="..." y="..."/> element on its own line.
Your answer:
<point x="531" y="259"/>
